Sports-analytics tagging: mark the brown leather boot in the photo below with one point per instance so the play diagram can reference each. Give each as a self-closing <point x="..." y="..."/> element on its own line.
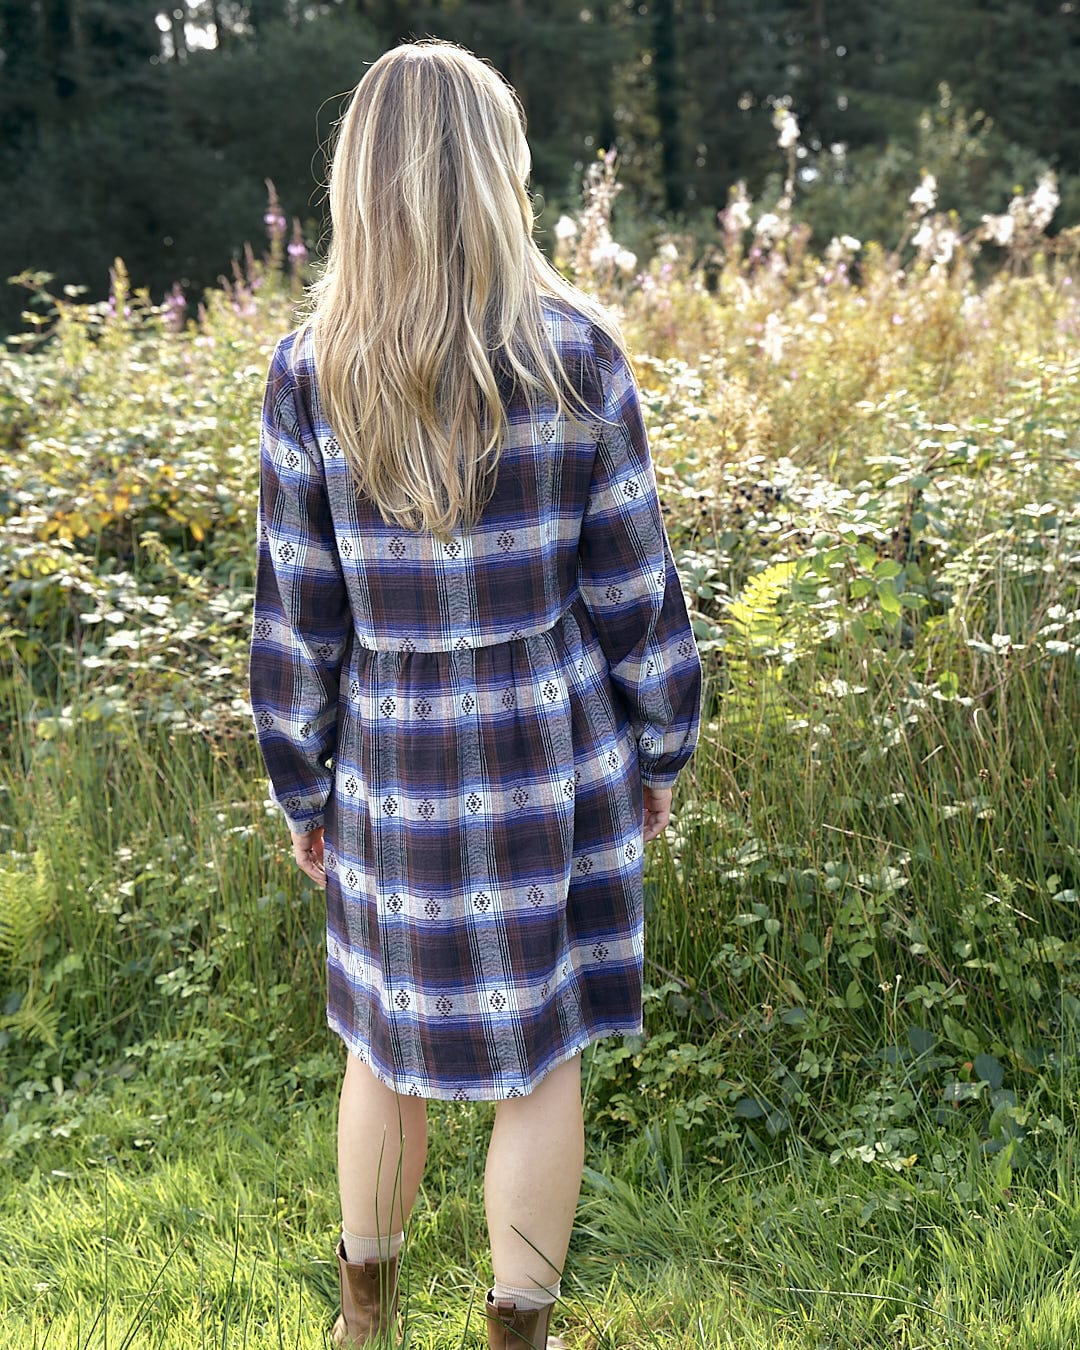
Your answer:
<point x="512" y="1328"/>
<point x="368" y="1302"/>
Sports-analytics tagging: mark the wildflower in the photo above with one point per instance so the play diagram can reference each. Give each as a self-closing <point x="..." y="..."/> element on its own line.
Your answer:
<point x="175" y="308"/>
<point x="923" y="236"/>
<point x="605" y="251"/>
<point x="1025" y="218"/>
<point x="788" y="126"/>
<point x="625" y="261"/>
<point x="772" y="342"/>
<point x="595" y="248"/>
<point x="274" y="219"/>
<point x="924" y="198"/>
<point x="934" y="239"/>
<point x="297" y="248"/>
<point x="667" y="252"/>
<point x="1044" y="202"/>
<point x="565" y="228"/>
<point x="999" y="230"/>
<point x="842" y="247"/>
<point x="736" y="216"/>
<point x="770" y="227"/>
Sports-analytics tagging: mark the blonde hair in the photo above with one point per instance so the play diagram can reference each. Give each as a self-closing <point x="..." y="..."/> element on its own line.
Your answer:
<point x="432" y="279"/>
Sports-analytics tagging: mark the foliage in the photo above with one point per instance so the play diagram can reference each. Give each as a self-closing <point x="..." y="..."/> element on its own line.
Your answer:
<point x="863" y="936"/>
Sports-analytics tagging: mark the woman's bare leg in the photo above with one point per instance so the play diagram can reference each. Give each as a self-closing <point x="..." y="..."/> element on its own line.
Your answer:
<point x="533" y="1178"/>
<point x="382" y="1148"/>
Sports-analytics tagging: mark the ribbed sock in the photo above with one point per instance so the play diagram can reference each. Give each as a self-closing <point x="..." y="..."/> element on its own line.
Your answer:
<point x="536" y="1297"/>
<point x="358" y="1249"/>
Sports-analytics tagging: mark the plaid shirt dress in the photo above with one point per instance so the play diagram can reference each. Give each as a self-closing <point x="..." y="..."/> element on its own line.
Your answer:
<point x="472" y="722"/>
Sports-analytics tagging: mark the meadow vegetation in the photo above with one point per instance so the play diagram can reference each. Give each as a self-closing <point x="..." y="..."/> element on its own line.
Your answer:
<point x="851" y="1121"/>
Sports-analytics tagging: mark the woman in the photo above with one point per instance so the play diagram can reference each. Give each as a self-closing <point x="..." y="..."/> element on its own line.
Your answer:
<point x="466" y="602"/>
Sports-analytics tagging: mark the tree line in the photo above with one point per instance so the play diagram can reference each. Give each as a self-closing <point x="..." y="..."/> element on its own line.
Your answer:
<point x="134" y="128"/>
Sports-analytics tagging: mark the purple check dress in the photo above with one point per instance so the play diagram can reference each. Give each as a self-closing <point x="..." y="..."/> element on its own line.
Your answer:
<point x="472" y="723"/>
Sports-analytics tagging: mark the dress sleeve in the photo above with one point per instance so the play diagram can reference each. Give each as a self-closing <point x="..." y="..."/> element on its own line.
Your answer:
<point x="302" y="620"/>
<point x="631" y="587"/>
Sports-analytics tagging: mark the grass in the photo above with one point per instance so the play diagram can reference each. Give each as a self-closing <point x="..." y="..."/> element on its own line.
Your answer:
<point x="221" y="1235"/>
<point x="174" y="1185"/>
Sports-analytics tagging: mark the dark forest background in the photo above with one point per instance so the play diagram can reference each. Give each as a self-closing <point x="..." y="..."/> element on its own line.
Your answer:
<point x="133" y="130"/>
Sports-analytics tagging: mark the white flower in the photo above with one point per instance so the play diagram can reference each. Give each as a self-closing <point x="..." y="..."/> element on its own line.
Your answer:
<point x="565" y="228"/>
<point x="924" y="198"/>
<point x="999" y="229"/>
<point x="842" y="248"/>
<point x="945" y="244"/>
<point x="737" y="215"/>
<point x="772" y="341"/>
<point x="769" y="227"/>
<point x="625" y="261"/>
<point x="789" y="131"/>
<point x="604" y="252"/>
<point x="934" y="239"/>
<point x="667" y="252"/>
<point x="1044" y="202"/>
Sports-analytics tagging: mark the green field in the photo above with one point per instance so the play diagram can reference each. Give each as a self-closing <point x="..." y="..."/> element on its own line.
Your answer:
<point x="852" y="1120"/>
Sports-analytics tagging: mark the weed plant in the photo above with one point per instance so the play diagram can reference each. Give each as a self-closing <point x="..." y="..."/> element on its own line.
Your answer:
<point x="851" y="1120"/>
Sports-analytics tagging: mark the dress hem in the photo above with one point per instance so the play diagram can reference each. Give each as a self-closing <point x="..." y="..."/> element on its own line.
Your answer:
<point x="487" y="1094"/>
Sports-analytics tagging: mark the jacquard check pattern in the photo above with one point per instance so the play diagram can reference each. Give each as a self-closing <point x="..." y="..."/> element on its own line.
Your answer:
<point x="472" y="722"/>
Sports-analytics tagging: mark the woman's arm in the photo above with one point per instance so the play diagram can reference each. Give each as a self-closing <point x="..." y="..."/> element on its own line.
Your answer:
<point x="302" y="621"/>
<point x="630" y="584"/>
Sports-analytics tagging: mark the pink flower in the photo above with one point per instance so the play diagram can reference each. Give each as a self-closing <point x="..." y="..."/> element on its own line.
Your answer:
<point x="297" y="248"/>
<point x="175" y="308"/>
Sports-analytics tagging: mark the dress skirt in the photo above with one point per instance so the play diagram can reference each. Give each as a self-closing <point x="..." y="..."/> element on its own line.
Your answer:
<point x="483" y="853"/>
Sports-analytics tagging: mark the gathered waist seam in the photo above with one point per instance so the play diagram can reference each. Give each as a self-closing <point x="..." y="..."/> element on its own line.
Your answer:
<point x="406" y="646"/>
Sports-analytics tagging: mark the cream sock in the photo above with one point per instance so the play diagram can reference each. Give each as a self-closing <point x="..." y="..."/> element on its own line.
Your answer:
<point x="358" y="1249"/>
<point x="538" y="1296"/>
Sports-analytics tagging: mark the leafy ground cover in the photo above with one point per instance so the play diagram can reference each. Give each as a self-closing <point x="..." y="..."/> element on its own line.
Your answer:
<point x="851" y="1119"/>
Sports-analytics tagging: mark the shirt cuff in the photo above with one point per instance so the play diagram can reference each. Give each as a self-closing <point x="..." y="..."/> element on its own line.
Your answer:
<point x="301" y="816"/>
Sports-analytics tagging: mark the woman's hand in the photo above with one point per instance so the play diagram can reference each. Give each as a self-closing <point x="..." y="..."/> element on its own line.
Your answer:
<point x="657" y="811"/>
<point x="308" y="852"/>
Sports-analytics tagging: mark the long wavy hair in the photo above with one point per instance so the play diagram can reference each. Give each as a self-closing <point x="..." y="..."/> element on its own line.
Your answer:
<point x="433" y="284"/>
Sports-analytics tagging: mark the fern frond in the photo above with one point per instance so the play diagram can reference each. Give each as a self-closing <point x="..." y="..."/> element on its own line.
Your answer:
<point x="754" y="616"/>
<point x="26" y="911"/>
<point x="32" y="1021"/>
